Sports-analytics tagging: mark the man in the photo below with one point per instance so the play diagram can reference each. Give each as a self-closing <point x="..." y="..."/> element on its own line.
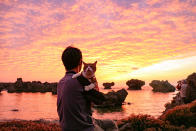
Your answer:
<point x="73" y="110"/>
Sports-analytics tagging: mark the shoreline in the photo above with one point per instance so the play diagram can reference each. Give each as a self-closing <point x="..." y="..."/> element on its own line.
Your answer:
<point x="170" y="120"/>
<point x="37" y="120"/>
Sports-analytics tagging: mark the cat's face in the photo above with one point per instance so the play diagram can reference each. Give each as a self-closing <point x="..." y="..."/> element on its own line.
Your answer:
<point x="89" y="69"/>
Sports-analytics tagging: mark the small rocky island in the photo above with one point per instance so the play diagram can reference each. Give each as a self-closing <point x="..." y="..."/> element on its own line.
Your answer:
<point x="162" y="86"/>
<point x="135" y="84"/>
<point x="108" y="85"/>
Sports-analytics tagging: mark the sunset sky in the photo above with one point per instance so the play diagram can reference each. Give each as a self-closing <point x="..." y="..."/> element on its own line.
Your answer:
<point x="143" y="39"/>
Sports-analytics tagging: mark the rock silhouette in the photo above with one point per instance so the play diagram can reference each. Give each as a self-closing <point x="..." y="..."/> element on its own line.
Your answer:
<point x="114" y="99"/>
<point x="135" y="84"/>
<point x="34" y="86"/>
<point x="162" y="86"/>
<point x="108" y="85"/>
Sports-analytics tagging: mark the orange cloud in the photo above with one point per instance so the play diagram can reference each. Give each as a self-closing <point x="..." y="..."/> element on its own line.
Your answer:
<point x="123" y="35"/>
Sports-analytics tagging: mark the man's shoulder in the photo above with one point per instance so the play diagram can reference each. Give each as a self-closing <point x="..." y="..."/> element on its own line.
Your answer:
<point x="69" y="81"/>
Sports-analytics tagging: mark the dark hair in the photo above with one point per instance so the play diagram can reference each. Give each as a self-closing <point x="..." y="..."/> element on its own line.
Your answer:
<point x="71" y="57"/>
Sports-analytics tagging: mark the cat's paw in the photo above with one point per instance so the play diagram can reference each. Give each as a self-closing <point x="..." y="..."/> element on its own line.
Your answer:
<point x="89" y="87"/>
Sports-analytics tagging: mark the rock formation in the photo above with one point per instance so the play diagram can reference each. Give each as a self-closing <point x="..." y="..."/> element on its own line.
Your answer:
<point x="135" y="84"/>
<point x="162" y="86"/>
<point x="176" y="101"/>
<point x="114" y="99"/>
<point x="108" y="85"/>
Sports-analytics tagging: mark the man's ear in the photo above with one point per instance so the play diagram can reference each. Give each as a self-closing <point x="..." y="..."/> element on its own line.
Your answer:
<point x="80" y="61"/>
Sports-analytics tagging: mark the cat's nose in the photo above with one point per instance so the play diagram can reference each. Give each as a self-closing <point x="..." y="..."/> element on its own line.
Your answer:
<point x="88" y="69"/>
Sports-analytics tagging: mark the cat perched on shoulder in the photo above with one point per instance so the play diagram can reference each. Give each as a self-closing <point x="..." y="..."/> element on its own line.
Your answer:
<point x="88" y="80"/>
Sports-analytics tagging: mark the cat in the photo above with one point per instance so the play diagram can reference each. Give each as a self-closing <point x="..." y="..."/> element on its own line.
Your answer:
<point x="88" y="72"/>
<point x="88" y="80"/>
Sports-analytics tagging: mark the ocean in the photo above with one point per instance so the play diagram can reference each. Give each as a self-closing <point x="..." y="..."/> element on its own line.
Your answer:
<point x="36" y="106"/>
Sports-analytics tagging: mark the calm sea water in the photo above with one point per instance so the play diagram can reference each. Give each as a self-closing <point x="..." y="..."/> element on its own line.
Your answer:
<point x="34" y="106"/>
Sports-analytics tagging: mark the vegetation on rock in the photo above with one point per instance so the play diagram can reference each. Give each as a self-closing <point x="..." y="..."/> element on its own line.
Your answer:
<point x="181" y="115"/>
<point x="28" y="126"/>
<point x="180" y="118"/>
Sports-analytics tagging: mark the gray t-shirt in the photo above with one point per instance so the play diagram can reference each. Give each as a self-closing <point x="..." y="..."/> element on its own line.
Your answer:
<point x="73" y="109"/>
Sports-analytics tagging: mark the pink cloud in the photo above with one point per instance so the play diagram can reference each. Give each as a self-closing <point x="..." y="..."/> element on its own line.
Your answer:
<point x="34" y="34"/>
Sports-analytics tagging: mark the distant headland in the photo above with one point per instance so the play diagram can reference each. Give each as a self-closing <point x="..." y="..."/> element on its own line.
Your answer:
<point x="37" y="86"/>
<point x="34" y="86"/>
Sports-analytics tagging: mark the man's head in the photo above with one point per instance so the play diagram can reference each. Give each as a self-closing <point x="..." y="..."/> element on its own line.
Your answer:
<point x="72" y="58"/>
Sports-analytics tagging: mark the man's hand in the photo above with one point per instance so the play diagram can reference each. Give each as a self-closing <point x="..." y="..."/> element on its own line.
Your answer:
<point x="94" y="80"/>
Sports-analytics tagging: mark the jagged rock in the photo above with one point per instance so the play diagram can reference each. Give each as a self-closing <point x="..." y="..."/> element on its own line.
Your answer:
<point x="162" y="86"/>
<point x="135" y="84"/>
<point x="114" y="99"/>
<point x="108" y="85"/>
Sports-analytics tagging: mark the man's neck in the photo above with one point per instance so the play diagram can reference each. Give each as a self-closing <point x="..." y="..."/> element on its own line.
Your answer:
<point x="75" y="70"/>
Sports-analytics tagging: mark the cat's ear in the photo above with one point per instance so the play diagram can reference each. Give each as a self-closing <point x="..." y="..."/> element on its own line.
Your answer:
<point x="95" y="62"/>
<point x="83" y="62"/>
